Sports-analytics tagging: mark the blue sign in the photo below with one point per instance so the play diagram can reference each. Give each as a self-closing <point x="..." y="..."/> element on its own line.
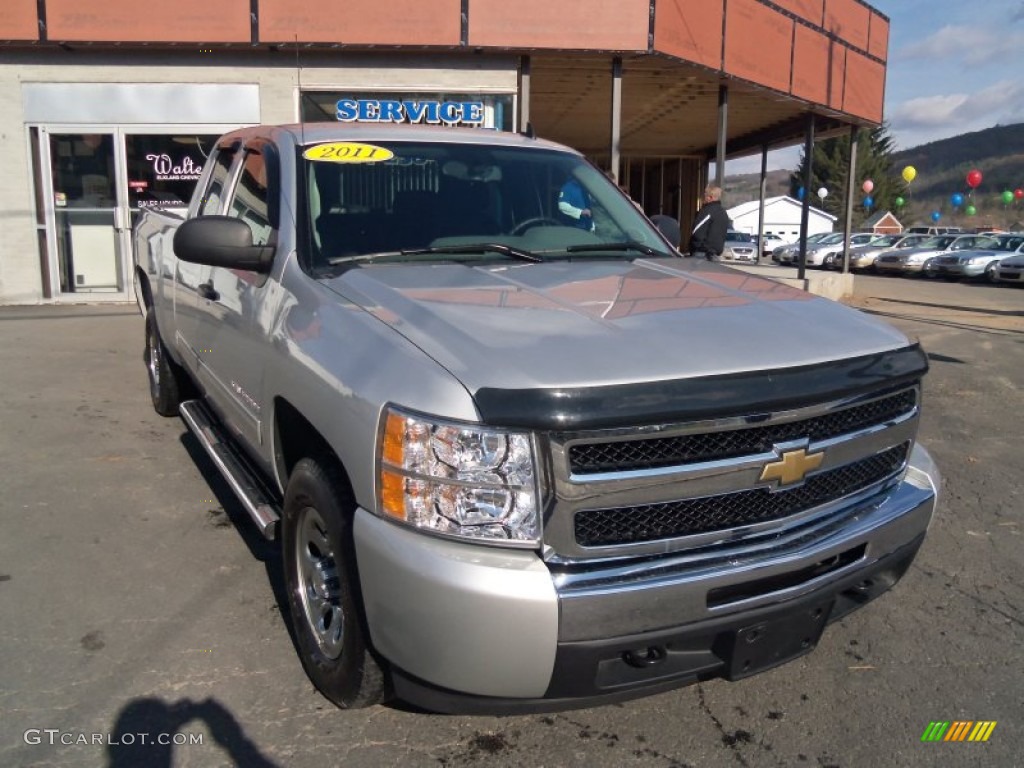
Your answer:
<point x="394" y="111"/>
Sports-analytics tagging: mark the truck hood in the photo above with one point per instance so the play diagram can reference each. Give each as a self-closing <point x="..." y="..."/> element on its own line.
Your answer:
<point x="581" y="324"/>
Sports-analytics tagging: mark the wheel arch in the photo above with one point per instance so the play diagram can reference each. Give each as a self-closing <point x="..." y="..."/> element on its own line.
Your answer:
<point x="295" y="438"/>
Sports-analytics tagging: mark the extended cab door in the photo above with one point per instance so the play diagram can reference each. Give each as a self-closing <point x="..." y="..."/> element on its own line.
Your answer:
<point x="231" y="351"/>
<point x="209" y="200"/>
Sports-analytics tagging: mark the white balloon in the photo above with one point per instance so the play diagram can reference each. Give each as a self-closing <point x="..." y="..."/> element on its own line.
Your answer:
<point x="822" y="193"/>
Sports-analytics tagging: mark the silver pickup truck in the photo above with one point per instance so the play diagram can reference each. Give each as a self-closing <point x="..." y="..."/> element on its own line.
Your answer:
<point x="518" y="453"/>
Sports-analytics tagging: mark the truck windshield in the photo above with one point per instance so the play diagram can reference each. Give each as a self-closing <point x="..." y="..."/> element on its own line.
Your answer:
<point x="416" y="201"/>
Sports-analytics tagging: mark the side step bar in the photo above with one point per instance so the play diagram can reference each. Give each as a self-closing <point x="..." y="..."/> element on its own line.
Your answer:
<point x="258" y="502"/>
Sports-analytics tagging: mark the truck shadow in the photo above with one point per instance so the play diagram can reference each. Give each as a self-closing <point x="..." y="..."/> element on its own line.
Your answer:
<point x="234" y="514"/>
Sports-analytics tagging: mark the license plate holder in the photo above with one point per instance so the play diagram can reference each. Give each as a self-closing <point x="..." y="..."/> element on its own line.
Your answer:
<point x="775" y="641"/>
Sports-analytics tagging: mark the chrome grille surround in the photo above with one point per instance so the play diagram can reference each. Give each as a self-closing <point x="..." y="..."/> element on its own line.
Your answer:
<point x="700" y="477"/>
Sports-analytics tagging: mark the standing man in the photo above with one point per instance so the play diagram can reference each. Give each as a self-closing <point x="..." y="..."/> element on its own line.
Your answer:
<point x="708" y="237"/>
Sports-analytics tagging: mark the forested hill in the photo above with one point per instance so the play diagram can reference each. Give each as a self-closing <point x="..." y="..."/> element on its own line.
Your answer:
<point x="942" y="166"/>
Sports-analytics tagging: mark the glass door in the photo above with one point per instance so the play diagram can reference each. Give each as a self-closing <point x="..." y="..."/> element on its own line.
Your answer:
<point x="88" y="221"/>
<point x="94" y="183"/>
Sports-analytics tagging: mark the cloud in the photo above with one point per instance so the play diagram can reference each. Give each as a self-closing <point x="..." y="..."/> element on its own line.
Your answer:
<point x="1018" y="15"/>
<point x="923" y="119"/>
<point x="973" y="45"/>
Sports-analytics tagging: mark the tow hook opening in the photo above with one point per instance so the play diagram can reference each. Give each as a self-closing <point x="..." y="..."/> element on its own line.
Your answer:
<point x="645" y="657"/>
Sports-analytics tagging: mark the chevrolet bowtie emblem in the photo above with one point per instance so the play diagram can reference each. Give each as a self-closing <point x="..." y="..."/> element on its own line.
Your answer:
<point x="792" y="468"/>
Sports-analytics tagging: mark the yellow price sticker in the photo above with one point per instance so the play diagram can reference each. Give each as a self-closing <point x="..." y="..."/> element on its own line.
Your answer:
<point x="347" y="152"/>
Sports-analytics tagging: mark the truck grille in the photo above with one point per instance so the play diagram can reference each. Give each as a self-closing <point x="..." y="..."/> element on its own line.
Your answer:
<point x="651" y="522"/>
<point x="652" y="453"/>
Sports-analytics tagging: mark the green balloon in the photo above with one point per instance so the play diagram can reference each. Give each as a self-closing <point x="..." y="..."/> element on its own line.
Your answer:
<point x="900" y="202"/>
<point x="970" y="210"/>
<point x="1007" y="197"/>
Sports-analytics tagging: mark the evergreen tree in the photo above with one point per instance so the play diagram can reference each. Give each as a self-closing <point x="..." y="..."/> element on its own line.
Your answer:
<point x="831" y="168"/>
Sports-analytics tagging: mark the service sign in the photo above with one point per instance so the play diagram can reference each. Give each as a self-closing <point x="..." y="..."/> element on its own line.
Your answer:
<point x="419" y="111"/>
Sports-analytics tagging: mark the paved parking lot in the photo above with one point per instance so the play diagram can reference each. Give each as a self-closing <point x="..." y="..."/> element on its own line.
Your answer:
<point x="136" y="600"/>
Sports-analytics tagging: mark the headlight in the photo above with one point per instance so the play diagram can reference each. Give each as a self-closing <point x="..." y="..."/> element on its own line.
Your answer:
<point x="459" y="480"/>
<point x="915" y="259"/>
<point x="977" y="260"/>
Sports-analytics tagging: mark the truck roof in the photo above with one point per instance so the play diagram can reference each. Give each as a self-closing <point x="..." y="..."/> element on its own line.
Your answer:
<point x="305" y="134"/>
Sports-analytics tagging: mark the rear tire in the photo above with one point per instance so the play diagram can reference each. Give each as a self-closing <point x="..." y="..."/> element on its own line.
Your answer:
<point x="323" y="586"/>
<point x="167" y="380"/>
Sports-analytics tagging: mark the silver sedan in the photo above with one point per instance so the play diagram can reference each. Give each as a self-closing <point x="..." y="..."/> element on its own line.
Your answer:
<point x="976" y="262"/>
<point x="911" y="261"/>
<point x="863" y="257"/>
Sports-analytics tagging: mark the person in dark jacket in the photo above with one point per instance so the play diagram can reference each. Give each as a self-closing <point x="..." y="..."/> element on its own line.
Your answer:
<point x="710" y="226"/>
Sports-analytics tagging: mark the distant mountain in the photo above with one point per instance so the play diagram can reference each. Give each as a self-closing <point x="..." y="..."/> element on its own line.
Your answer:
<point x="942" y="167"/>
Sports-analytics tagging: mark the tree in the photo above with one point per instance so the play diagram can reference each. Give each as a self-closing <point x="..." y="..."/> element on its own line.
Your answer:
<point x="831" y="171"/>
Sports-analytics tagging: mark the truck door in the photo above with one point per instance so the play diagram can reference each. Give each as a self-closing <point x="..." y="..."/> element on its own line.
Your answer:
<point x="188" y="277"/>
<point x="230" y="352"/>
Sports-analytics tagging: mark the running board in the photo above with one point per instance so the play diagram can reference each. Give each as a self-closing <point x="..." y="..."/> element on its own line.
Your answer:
<point x="263" y="510"/>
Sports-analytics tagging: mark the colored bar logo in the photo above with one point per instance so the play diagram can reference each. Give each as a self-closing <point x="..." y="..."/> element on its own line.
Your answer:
<point x="959" y="730"/>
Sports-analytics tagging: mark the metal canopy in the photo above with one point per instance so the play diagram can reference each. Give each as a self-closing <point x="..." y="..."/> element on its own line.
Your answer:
<point x="669" y="108"/>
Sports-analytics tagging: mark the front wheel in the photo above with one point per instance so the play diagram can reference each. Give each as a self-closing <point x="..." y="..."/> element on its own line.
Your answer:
<point x="323" y="586"/>
<point x="991" y="272"/>
<point x="167" y="380"/>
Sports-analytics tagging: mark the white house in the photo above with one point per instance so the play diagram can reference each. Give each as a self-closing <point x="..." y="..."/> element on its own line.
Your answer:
<point x="781" y="217"/>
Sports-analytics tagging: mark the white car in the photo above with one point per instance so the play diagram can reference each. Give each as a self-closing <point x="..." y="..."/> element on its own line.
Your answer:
<point x="739" y="246"/>
<point x="863" y="256"/>
<point x="832" y="257"/>
<point x="1011" y="270"/>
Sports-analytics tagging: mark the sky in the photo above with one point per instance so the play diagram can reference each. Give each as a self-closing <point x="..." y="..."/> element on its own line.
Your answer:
<point x="955" y="66"/>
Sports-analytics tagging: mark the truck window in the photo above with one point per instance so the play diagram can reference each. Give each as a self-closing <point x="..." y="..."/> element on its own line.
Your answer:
<point x="214" y="195"/>
<point x="251" y="201"/>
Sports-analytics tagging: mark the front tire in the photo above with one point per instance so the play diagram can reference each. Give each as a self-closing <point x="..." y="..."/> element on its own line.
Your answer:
<point x="167" y="380"/>
<point x="323" y="586"/>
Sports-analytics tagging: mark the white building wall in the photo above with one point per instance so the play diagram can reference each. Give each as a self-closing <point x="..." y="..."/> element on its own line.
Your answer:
<point x="781" y="217"/>
<point x="276" y="74"/>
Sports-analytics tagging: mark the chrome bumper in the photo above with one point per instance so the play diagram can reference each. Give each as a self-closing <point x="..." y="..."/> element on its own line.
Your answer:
<point x="489" y="627"/>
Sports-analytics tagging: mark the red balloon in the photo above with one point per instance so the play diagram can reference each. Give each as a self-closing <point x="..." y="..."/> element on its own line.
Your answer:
<point x="974" y="178"/>
<point x="1018" y="193"/>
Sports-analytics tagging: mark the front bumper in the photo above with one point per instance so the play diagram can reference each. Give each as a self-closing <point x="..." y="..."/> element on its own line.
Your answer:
<point x="471" y="628"/>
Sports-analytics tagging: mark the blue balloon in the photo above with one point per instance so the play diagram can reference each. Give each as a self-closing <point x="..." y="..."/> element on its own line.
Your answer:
<point x="800" y="193"/>
<point x="956" y="199"/>
<point x="936" y="215"/>
<point x="869" y="201"/>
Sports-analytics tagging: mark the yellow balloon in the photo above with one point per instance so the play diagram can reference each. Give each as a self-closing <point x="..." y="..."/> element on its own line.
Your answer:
<point x="909" y="173"/>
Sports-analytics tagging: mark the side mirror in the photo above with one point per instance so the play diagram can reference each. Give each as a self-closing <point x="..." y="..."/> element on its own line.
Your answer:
<point x="221" y="241"/>
<point x="668" y="227"/>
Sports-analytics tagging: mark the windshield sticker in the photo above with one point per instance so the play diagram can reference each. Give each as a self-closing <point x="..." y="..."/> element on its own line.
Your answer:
<point x="347" y="152"/>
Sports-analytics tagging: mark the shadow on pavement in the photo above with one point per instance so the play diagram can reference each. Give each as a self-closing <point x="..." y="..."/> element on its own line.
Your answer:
<point x="159" y="721"/>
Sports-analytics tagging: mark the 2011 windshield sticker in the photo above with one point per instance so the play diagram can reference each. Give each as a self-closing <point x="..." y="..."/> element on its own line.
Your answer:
<point x="347" y="152"/>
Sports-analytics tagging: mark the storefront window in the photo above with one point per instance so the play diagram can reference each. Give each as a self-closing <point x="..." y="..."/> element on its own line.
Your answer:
<point x="163" y="170"/>
<point x="462" y="109"/>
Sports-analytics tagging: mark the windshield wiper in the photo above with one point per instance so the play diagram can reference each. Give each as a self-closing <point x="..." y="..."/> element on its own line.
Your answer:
<point x="505" y="250"/>
<point x="627" y="245"/>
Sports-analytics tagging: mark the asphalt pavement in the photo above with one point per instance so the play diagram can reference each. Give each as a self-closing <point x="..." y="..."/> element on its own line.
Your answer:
<point x="139" y="606"/>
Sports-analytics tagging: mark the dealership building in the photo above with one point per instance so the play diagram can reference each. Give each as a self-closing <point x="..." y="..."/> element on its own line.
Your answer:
<point x="110" y="107"/>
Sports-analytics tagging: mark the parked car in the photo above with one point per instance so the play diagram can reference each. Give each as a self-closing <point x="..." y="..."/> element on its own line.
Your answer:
<point x="771" y="241"/>
<point x="832" y="257"/>
<point x="982" y="261"/>
<point x="912" y="261"/>
<point x="1011" y="270"/>
<point x="863" y="256"/>
<point x="739" y="246"/>
<point x="786" y="254"/>
<point x="791" y="254"/>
